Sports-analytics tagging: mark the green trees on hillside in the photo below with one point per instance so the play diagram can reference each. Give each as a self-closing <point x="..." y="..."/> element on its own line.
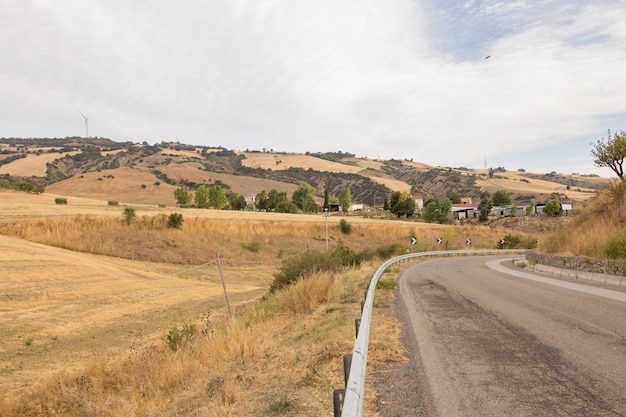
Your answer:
<point x="345" y="199"/>
<point x="611" y="154"/>
<point x="437" y="211"/>
<point x="303" y="198"/>
<point x="202" y="197"/>
<point x="501" y="198"/>
<point x="402" y="204"/>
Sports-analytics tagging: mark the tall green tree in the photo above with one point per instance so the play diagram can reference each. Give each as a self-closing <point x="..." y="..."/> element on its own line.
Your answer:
<point x="455" y="198"/>
<point x="202" y="196"/>
<point x="611" y="153"/>
<point x="326" y="200"/>
<point x="303" y="197"/>
<point x="182" y="196"/>
<point x="236" y="201"/>
<point x="217" y="197"/>
<point x="345" y="199"/>
<point x="274" y="198"/>
<point x="484" y="208"/>
<point x="402" y="204"/>
<point x="260" y="202"/>
<point x="553" y="208"/>
<point x="501" y="198"/>
<point x="437" y="211"/>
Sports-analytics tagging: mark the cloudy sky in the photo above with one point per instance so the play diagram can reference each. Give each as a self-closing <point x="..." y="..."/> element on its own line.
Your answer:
<point x="515" y="84"/>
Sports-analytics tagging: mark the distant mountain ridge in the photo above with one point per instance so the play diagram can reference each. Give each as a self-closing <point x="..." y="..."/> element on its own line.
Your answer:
<point x="51" y="162"/>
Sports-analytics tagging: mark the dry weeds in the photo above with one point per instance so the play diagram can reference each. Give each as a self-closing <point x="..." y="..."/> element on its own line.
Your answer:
<point x="97" y="323"/>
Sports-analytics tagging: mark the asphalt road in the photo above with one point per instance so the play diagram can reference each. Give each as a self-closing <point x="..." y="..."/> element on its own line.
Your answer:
<point x="482" y="342"/>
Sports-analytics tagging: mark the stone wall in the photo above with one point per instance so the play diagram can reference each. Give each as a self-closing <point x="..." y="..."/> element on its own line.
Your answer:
<point x="579" y="265"/>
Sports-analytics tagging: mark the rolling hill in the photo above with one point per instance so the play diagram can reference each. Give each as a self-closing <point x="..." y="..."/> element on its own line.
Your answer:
<point x="149" y="174"/>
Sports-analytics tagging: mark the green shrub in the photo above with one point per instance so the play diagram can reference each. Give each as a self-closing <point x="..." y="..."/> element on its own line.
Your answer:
<point x="176" y="338"/>
<point x="113" y="203"/>
<point x="129" y="214"/>
<point x="346" y="228"/>
<point x="253" y="246"/>
<point x="510" y="242"/>
<point x="60" y="201"/>
<point x="386" y="252"/>
<point x="298" y="267"/>
<point x="175" y="221"/>
<point x="616" y="248"/>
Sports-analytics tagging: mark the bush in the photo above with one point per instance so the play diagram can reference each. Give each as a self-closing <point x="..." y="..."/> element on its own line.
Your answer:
<point x="129" y="215"/>
<point x="511" y="242"/>
<point x="175" y="221"/>
<point x="616" y="248"/>
<point x="253" y="246"/>
<point x="346" y="228"/>
<point x="60" y="201"/>
<point x="293" y="269"/>
<point x="386" y="252"/>
<point x="113" y="203"/>
<point x="176" y="338"/>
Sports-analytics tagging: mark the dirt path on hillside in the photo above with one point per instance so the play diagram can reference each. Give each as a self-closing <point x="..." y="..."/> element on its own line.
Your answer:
<point x="60" y="310"/>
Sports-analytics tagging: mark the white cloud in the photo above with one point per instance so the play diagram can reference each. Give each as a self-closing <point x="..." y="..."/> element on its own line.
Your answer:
<point x="395" y="79"/>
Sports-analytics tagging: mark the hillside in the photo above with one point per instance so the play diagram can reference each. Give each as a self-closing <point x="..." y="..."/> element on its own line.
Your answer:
<point x="148" y="174"/>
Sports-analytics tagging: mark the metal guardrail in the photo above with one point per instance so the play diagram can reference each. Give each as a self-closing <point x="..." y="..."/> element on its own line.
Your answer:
<point x="348" y="402"/>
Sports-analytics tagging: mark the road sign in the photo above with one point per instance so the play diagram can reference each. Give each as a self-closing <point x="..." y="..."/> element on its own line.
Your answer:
<point x="468" y="242"/>
<point x="439" y="241"/>
<point x="413" y="241"/>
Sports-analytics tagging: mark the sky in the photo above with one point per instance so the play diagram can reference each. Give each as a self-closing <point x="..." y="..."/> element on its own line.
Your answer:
<point x="519" y="84"/>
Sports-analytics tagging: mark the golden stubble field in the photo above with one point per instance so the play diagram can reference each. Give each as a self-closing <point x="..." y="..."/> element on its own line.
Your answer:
<point x="65" y="305"/>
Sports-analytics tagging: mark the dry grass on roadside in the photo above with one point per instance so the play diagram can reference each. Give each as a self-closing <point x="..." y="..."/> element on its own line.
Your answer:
<point x="149" y="239"/>
<point x="589" y="233"/>
<point x="284" y="359"/>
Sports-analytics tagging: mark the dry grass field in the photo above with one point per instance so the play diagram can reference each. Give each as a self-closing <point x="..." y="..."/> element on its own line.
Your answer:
<point x="31" y="165"/>
<point x="515" y="182"/>
<point x="276" y="161"/>
<point x="87" y="301"/>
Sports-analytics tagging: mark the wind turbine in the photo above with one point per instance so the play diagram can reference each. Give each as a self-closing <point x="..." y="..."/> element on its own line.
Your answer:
<point x="86" y="124"/>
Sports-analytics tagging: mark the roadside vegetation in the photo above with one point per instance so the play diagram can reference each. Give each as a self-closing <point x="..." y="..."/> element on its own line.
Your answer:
<point x="283" y="357"/>
<point x="598" y="231"/>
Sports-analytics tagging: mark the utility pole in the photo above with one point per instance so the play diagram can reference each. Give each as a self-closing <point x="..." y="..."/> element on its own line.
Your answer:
<point x="326" y="215"/>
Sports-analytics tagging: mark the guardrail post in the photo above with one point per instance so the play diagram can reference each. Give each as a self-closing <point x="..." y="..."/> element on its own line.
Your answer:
<point x="357" y="324"/>
<point x="347" y="363"/>
<point x="338" y="396"/>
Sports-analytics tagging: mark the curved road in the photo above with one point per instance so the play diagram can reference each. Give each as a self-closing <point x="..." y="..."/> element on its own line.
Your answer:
<point x="482" y="342"/>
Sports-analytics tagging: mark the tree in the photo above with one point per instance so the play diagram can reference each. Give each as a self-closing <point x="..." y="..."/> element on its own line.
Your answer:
<point x="175" y="221"/>
<point x="485" y="206"/>
<point x="455" y="198"/>
<point x="552" y="208"/>
<point x="274" y="198"/>
<point x="303" y="197"/>
<point x="501" y="198"/>
<point x="345" y="199"/>
<point x="326" y="201"/>
<point x="437" y="211"/>
<point x="611" y="154"/>
<point x="236" y="201"/>
<point x="217" y="197"/>
<point x="260" y="202"/>
<point x="202" y="196"/>
<point x="286" y="206"/>
<point x="129" y="214"/>
<point x="401" y="204"/>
